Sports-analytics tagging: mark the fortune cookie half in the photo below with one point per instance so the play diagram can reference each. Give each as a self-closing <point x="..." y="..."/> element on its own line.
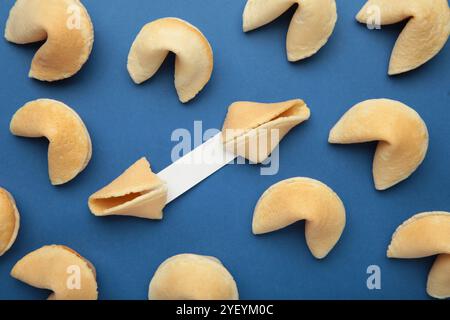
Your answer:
<point x="65" y="26"/>
<point x="423" y="235"/>
<point x="310" y="28"/>
<point x="70" y="147"/>
<point x="401" y="132"/>
<point x="192" y="277"/>
<point x="137" y="192"/>
<point x="9" y="221"/>
<point x="194" y="56"/>
<point x="424" y="35"/>
<point x="253" y="130"/>
<point x="59" y="269"/>
<point x="298" y="199"/>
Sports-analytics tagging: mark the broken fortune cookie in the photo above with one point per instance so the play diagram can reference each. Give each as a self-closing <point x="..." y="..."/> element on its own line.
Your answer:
<point x="137" y="192"/>
<point x="253" y="130"/>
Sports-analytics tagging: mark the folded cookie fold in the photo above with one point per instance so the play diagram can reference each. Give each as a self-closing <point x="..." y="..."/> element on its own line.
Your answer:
<point x="253" y="130"/>
<point x="136" y="192"/>
<point x="65" y="26"/>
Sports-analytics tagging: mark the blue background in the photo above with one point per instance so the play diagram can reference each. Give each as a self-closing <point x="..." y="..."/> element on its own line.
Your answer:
<point x="127" y="121"/>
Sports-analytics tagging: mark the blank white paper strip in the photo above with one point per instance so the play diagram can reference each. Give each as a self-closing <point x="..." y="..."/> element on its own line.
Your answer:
<point x="195" y="167"/>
